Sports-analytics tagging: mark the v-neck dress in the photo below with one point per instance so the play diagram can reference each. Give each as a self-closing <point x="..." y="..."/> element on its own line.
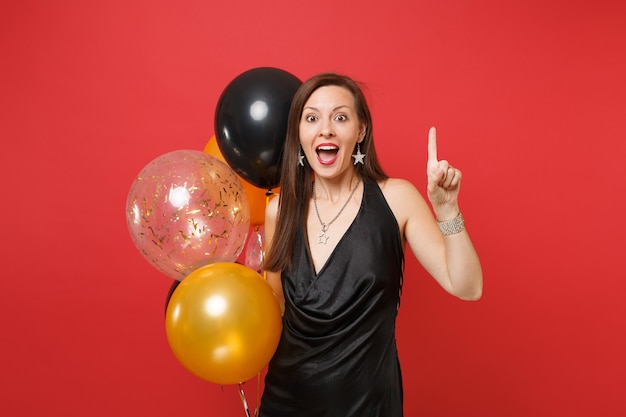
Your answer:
<point x="337" y="355"/>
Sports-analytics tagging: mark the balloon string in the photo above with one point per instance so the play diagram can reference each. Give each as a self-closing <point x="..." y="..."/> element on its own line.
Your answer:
<point x="267" y="201"/>
<point x="268" y="194"/>
<point x="243" y="400"/>
<point x="258" y="391"/>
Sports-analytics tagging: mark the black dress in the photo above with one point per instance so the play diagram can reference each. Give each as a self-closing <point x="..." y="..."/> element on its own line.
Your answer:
<point x="337" y="356"/>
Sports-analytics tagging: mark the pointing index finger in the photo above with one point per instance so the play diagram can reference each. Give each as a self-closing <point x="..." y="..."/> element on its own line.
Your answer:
<point x="432" y="144"/>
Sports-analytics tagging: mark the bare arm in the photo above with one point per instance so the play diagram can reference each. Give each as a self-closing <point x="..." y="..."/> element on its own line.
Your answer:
<point x="273" y="278"/>
<point x="451" y="260"/>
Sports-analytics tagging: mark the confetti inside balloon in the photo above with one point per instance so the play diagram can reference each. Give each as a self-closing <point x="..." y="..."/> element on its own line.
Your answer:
<point x="187" y="209"/>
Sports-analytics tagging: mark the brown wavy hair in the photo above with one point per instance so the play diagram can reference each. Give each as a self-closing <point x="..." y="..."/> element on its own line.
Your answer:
<point x="296" y="181"/>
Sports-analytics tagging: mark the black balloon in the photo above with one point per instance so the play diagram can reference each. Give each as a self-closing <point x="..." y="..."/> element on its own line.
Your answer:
<point x="251" y="123"/>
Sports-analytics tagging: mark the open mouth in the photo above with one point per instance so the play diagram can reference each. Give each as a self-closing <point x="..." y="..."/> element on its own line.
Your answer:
<point x="327" y="154"/>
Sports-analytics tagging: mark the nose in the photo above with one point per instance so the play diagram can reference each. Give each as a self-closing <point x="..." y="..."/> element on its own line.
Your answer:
<point x="326" y="130"/>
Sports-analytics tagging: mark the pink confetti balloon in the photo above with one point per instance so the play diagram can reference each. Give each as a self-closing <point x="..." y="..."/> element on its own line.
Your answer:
<point x="187" y="209"/>
<point x="254" y="250"/>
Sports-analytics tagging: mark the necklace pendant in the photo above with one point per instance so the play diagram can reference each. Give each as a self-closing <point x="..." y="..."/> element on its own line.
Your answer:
<point x="322" y="237"/>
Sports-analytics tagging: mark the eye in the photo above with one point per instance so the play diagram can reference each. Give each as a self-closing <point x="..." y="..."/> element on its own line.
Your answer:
<point x="341" y="117"/>
<point x="310" y="118"/>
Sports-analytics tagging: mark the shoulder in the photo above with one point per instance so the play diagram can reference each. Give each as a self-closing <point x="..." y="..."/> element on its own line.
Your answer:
<point x="398" y="189"/>
<point x="272" y="204"/>
<point x="271" y="209"/>
<point x="403" y="198"/>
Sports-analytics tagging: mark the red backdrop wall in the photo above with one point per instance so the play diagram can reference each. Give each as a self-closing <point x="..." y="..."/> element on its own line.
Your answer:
<point x="529" y="98"/>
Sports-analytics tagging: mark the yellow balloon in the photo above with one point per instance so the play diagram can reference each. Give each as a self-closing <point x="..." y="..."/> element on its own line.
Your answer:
<point x="257" y="197"/>
<point x="223" y="323"/>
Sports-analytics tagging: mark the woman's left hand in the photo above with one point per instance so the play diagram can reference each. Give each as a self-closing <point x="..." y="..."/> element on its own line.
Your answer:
<point x="444" y="181"/>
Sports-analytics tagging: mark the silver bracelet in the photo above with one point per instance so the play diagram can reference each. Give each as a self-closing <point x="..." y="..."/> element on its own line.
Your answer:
<point x="452" y="226"/>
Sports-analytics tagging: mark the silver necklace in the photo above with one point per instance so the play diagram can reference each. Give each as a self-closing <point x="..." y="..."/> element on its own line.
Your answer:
<point x="323" y="237"/>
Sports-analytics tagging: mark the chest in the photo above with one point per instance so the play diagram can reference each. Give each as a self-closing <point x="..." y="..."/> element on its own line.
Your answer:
<point x="327" y="226"/>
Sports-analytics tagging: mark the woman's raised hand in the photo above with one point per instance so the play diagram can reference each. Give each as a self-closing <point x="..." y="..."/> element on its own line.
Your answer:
<point x="444" y="181"/>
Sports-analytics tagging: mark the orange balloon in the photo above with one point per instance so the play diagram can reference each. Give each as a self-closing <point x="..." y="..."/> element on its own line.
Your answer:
<point x="223" y="323"/>
<point x="257" y="197"/>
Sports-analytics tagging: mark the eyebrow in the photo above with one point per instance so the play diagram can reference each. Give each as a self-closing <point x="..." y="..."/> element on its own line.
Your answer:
<point x="335" y="109"/>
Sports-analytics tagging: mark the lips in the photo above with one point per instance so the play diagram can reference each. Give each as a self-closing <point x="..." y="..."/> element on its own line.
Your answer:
<point x="327" y="153"/>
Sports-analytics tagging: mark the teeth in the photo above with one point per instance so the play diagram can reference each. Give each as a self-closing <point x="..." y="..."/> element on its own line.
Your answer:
<point x="327" y="148"/>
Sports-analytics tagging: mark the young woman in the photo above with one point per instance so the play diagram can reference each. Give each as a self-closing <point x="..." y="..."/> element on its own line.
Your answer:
<point x="335" y="256"/>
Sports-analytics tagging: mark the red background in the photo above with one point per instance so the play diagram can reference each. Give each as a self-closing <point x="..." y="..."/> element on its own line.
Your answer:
<point x="529" y="98"/>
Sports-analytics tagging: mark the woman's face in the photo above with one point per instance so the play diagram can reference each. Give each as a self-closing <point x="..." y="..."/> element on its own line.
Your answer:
<point x="329" y="130"/>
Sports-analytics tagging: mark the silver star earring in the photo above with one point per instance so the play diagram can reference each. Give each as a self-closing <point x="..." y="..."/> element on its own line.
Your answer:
<point x="300" y="158"/>
<point x="358" y="156"/>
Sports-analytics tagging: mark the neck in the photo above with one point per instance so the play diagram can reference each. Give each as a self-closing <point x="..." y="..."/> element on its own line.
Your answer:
<point x="335" y="190"/>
